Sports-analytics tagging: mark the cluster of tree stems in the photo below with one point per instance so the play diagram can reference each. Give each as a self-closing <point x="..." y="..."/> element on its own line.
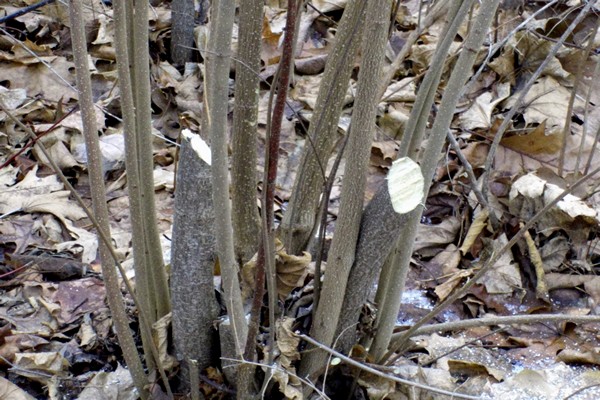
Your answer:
<point x="369" y="242"/>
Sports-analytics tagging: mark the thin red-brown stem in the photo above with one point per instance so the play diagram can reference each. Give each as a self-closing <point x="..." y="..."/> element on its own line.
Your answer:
<point x="278" y="109"/>
<point x="36" y="138"/>
<point x="259" y="293"/>
<point x="272" y="157"/>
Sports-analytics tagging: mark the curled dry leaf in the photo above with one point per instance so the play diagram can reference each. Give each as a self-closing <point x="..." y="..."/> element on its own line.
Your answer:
<point x="287" y="343"/>
<point x="479" y="223"/>
<point x="291" y="270"/>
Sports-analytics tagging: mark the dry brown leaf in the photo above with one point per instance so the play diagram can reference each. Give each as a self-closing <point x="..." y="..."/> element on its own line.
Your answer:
<point x="591" y="356"/>
<point x="50" y="363"/>
<point x="541" y="290"/>
<point x="477" y="226"/>
<point x="562" y="281"/>
<point x="9" y="390"/>
<point x="554" y="253"/>
<point x="433" y="236"/>
<point x="504" y="276"/>
<point x="291" y="270"/>
<point x="79" y="297"/>
<point x="534" y="142"/>
<point x="479" y="115"/>
<point x="287" y="342"/>
<point x="471" y="368"/>
<point x="443" y="290"/>
<point x="160" y="335"/>
<point x="110" y="385"/>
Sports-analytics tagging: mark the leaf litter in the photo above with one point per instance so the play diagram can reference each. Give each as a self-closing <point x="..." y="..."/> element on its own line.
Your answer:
<point x="56" y="339"/>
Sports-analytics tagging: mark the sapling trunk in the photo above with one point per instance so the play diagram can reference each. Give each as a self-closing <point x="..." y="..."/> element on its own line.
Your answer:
<point x="454" y="89"/>
<point x="246" y="223"/>
<point x="298" y="222"/>
<point x="358" y="150"/>
<point x="157" y="275"/>
<point x="182" y="31"/>
<point x="215" y="101"/>
<point x="98" y="191"/>
<point x="380" y="224"/>
<point x="192" y="260"/>
<point x="149" y="269"/>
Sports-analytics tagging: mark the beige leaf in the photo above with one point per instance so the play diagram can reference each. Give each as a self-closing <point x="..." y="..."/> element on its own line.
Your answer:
<point x="479" y="223"/>
<point x="479" y="115"/>
<point x="9" y="390"/>
<point x="50" y="363"/>
<point x="505" y="275"/>
<point x="291" y="270"/>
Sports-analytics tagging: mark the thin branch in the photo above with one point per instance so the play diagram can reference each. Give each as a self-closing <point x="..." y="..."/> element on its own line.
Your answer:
<point x="25" y="10"/>
<point x="502" y="320"/>
<point x="472" y="178"/>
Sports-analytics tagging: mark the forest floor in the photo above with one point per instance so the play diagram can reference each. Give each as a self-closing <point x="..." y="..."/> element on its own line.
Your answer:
<point x="56" y="339"/>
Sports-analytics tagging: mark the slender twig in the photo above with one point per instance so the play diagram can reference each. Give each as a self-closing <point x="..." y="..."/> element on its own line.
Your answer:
<point x="272" y="155"/>
<point x="51" y="69"/>
<point x="566" y="132"/>
<point x="501" y="320"/>
<point x="581" y="390"/>
<point x="34" y="140"/>
<point x="472" y="178"/>
<point x="194" y="379"/>
<point x="26" y="10"/>
<point x="597" y="135"/>
<point x="470" y="342"/>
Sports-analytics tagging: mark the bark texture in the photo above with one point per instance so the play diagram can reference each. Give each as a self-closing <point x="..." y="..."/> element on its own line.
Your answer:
<point x="192" y="260"/>
<point x="182" y="31"/>
<point x="246" y="222"/>
<point x="343" y="246"/>
<point x="299" y="220"/>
